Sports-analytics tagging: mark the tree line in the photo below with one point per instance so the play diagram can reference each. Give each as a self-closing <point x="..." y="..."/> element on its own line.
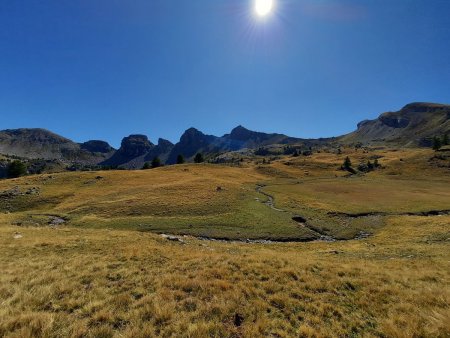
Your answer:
<point x="156" y="162"/>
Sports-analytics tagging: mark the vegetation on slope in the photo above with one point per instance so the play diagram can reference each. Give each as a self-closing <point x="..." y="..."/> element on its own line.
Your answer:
<point x="225" y="202"/>
<point x="106" y="283"/>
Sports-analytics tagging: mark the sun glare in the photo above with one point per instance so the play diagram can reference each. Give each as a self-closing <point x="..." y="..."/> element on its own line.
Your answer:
<point x="263" y="7"/>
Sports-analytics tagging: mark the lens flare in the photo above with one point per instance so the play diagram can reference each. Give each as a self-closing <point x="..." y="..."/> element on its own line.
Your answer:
<point x="263" y="7"/>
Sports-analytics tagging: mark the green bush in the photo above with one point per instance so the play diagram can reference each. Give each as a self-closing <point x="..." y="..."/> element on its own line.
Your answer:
<point x="16" y="169"/>
<point x="199" y="158"/>
<point x="180" y="159"/>
<point x="156" y="162"/>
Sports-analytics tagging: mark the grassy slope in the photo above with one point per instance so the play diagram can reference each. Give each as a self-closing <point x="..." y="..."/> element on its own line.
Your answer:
<point x="99" y="283"/>
<point x="177" y="199"/>
<point x="85" y="280"/>
<point x="314" y="188"/>
<point x="184" y="199"/>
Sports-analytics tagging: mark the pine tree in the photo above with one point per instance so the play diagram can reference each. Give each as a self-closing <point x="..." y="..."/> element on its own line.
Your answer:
<point x="156" y="162"/>
<point x="445" y="140"/>
<point x="199" y="158"/>
<point x="146" y="166"/>
<point x="16" y="169"/>
<point x="180" y="159"/>
<point x="437" y="144"/>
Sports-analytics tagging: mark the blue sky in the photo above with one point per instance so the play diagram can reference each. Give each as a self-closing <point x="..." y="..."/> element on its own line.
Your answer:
<point x="103" y="69"/>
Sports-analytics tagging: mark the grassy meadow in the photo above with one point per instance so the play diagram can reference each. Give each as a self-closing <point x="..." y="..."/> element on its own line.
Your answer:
<point x="106" y="271"/>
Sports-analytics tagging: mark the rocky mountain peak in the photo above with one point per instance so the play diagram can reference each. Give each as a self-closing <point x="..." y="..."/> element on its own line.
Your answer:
<point x="96" y="146"/>
<point x="242" y="134"/>
<point x="164" y="145"/>
<point x="191" y="135"/>
<point x="135" y="145"/>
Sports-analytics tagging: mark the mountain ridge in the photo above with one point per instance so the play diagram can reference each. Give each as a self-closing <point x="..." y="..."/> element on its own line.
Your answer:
<point x="413" y="125"/>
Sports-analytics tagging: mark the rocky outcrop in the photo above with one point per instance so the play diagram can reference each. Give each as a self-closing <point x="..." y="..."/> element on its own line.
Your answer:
<point x="135" y="150"/>
<point x="191" y="142"/>
<point x="414" y="125"/>
<point x="135" y="145"/>
<point x="394" y="120"/>
<point x="96" y="146"/>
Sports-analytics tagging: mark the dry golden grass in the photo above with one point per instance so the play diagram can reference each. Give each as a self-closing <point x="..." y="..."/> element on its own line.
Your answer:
<point x="177" y="199"/>
<point x="94" y="277"/>
<point x="184" y="199"/>
<point x="100" y="283"/>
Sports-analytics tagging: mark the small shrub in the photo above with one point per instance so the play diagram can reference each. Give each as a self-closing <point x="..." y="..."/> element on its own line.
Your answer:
<point x="180" y="159"/>
<point x="156" y="162"/>
<point x="16" y="169"/>
<point x="437" y="144"/>
<point x="199" y="158"/>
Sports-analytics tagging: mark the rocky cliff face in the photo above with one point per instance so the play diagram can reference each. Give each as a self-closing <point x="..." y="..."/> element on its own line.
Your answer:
<point x="414" y="125"/>
<point x="191" y="142"/>
<point x="96" y="146"/>
<point x="135" y="150"/>
<point x="135" y="145"/>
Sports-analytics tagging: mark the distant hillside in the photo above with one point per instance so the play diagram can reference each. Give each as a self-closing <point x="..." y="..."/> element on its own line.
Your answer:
<point x="194" y="141"/>
<point x="414" y="125"/>
<point x="135" y="150"/>
<point x="37" y="143"/>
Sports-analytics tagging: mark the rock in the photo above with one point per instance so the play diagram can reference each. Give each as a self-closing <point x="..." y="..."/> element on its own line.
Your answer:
<point x="11" y="192"/>
<point x="33" y="191"/>
<point x="172" y="238"/>
<point x="362" y="235"/>
<point x="17" y="235"/>
<point x="54" y="220"/>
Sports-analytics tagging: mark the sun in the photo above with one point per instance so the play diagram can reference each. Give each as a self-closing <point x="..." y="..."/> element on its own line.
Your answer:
<point x="263" y="7"/>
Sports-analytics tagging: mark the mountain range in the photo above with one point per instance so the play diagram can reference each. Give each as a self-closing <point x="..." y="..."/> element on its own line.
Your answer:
<point x="414" y="125"/>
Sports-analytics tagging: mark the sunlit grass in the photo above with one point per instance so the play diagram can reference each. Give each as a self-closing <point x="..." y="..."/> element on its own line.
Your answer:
<point x="87" y="282"/>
